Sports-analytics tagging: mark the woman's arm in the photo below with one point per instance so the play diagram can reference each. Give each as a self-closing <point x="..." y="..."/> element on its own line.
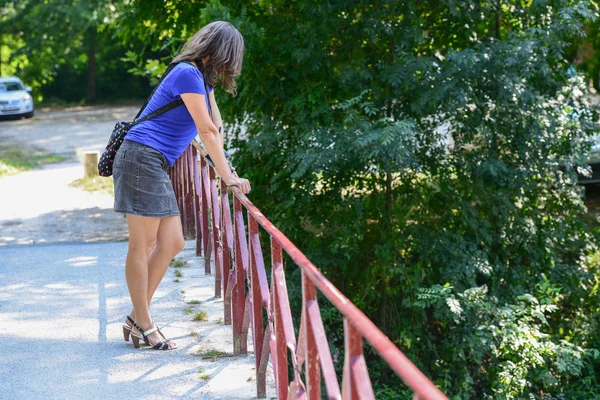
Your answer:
<point x="216" y="116"/>
<point x="209" y="134"/>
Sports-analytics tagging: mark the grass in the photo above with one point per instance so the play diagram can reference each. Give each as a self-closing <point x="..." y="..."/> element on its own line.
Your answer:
<point x="194" y="302"/>
<point x="212" y="353"/>
<point x="178" y="273"/>
<point x="194" y="333"/>
<point x="188" y="310"/>
<point x="178" y="263"/>
<point x="15" y="159"/>
<point x="200" y="316"/>
<point x="54" y="102"/>
<point x="182" y="291"/>
<point x="220" y="320"/>
<point x="204" y="376"/>
<point x="95" y="184"/>
<point x="176" y="280"/>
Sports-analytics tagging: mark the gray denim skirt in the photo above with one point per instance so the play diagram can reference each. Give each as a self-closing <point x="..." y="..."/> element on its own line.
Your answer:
<point x="142" y="184"/>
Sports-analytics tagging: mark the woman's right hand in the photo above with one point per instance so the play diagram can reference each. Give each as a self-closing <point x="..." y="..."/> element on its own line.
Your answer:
<point x="241" y="183"/>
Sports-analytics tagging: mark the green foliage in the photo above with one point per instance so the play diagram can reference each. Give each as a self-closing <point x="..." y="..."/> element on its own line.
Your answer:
<point x="424" y="155"/>
<point x="48" y="44"/>
<point x="402" y="151"/>
<point x="510" y="337"/>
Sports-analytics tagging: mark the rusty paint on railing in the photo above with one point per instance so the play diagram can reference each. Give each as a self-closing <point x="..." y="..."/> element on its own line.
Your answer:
<point x="240" y="269"/>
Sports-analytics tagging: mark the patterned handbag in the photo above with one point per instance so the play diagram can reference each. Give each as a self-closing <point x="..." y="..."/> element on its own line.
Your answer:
<point x="105" y="164"/>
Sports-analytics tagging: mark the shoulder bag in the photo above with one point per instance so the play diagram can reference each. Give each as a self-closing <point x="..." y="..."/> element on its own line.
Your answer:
<point x="105" y="164"/>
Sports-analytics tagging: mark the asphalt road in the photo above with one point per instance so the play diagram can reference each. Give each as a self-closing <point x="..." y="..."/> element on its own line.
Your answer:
<point x="61" y="311"/>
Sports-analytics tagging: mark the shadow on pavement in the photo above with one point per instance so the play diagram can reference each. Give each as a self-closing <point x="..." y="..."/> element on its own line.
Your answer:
<point x="61" y="311"/>
<point x="86" y="225"/>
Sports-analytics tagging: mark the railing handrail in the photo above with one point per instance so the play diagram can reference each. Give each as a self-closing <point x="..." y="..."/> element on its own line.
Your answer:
<point x="398" y="362"/>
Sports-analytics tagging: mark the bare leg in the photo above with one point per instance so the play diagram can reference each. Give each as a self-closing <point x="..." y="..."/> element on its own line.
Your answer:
<point x="142" y="239"/>
<point x="169" y="243"/>
<point x="143" y="233"/>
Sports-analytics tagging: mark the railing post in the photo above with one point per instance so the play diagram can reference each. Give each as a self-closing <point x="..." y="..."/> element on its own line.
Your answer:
<point x="227" y="236"/>
<point x="190" y="194"/>
<point x="197" y="197"/>
<point x="311" y="355"/>
<point x="185" y="212"/>
<point x="279" y="356"/>
<point x="216" y="230"/>
<point x="183" y="207"/>
<point x="172" y="178"/>
<point x="326" y="361"/>
<point x="206" y="235"/>
<point x="238" y="295"/>
<point x="177" y="187"/>
<point x="356" y="384"/>
<point x="256" y="316"/>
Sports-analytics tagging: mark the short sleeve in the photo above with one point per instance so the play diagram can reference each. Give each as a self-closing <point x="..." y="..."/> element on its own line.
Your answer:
<point x="188" y="80"/>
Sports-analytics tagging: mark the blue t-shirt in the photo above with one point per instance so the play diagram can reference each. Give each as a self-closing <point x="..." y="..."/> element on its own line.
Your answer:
<point x="172" y="132"/>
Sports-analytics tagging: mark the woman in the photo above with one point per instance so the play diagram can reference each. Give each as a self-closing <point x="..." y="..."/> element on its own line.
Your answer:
<point x="143" y="189"/>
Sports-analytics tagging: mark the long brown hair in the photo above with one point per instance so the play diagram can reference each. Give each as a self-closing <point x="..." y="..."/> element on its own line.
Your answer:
<point x="223" y="46"/>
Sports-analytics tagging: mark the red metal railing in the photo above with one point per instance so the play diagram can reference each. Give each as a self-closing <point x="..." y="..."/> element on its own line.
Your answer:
<point x="238" y="259"/>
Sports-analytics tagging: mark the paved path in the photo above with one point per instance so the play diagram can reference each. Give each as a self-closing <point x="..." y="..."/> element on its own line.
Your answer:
<point x="61" y="310"/>
<point x="43" y="208"/>
<point x="68" y="132"/>
<point x="40" y="206"/>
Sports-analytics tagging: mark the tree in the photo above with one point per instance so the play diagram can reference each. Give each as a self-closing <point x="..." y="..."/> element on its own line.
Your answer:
<point x="59" y="34"/>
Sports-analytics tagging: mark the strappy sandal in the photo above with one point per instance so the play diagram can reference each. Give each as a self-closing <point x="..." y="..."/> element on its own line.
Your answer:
<point x="164" y="337"/>
<point x="127" y="329"/>
<point x="164" y="345"/>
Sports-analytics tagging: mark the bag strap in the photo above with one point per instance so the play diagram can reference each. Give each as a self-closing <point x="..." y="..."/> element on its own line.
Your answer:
<point x="158" y="111"/>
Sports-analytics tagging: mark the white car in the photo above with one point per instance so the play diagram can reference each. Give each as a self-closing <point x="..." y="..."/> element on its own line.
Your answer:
<point x="594" y="162"/>
<point x="15" y="98"/>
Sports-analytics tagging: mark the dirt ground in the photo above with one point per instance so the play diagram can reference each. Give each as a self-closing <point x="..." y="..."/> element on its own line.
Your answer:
<point x="39" y="206"/>
<point x="68" y="132"/>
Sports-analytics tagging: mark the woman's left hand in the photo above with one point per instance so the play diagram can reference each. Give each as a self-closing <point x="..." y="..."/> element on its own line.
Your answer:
<point x="242" y="183"/>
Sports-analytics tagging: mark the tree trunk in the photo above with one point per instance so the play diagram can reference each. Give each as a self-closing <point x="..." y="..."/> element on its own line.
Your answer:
<point x="91" y="81"/>
<point x="498" y="22"/>
<point x="1" y="37"/>
<point x="389" y="201"/>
